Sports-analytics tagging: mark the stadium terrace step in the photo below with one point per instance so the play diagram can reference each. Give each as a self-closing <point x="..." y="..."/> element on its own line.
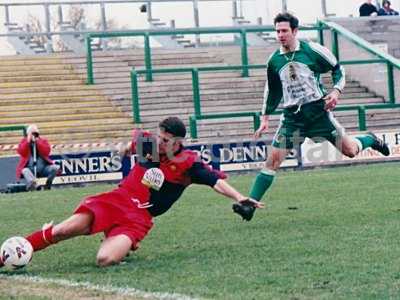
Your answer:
<point x="72" y="137"/>
<point x="44" y="89"/>
<point x="73" y="99"/>
<point x="43" y="84"/>
<point x="56" y="72"/>
<point x="29" y="108"/>
<point x="65" y="127"/>
<point x="73" y="93"/>
<point x="43" y="68"/>
<point x="51" y="92"/>
<point x="33" y="119"/>
<point x="40" y="78"/>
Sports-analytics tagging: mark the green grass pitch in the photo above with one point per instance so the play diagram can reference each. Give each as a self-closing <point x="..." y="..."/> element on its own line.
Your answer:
<point x="326" y="234"/>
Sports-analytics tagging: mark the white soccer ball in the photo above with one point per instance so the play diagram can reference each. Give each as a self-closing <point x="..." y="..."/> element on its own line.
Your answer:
<point x="16" y="252"/>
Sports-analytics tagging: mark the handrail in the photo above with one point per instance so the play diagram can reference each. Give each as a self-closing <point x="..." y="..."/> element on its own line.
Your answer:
<point x="193" y="119"/>
<point x="242" y="30"/>
<point x="14" y="128"/>
<point x="195" y="80"/>
<point x="391" y="61"/>
<point x="362" y="126"/>
<point x="361" y="42"/>
<point x="195" y="83"/>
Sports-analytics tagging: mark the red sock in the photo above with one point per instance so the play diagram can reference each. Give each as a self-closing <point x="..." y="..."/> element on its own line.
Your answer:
<point x="41" y="239"/>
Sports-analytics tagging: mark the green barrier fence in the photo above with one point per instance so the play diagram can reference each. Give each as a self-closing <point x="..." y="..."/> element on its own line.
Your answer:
<point x="321" y="26"/>
<point x="197" y="97"/>
<point x="338" y="30"/>
<point x="14" y="128"/>
<point x="362" y="126"/>
<point x="195" y="83"/>
<point x="146" y="34"/>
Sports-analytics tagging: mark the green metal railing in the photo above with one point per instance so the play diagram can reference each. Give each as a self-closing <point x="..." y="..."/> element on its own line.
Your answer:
<point x="14" y="128"/>
<point x="382" y="57"/>
<point x="193" y="120"/>
<point x="146" y="34"/>
<point x="361" y="109"/>
<point x="195" y="83"/>
<point x="335" y="29"/>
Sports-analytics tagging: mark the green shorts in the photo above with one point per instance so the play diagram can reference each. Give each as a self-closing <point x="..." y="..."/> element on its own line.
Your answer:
<point x="311" y="121"/>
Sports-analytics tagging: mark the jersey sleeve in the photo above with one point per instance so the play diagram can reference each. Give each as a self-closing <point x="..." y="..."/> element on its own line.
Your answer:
<point x="202" y="174"/>
<point x="273" y="90"/>
<point x="328" y="62"/>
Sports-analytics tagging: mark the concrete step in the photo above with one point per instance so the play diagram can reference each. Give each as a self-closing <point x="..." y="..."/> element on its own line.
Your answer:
<point x="66" y="130"/>
<point x="42" y="68"/>
<point x="17" y="73"/>
<point x="42" y="84"/>
<point x="53" y="100"/>
<point x="46" y="88"/>
<point x="81" y="125"/>
<point x="34" y="108"/>
<point x="39" y="78"/>
<point x="75" y="136"/>
<point x="88" y="91"/>
<point x="102" y="71"/>
<point x="31" y="61"/>
<point x="59" y="112"/>
<point x="34" y="119"/>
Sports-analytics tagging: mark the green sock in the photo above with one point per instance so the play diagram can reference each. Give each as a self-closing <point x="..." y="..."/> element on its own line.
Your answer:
<point x="366" y="141"/>
<point x="261" y="184"/>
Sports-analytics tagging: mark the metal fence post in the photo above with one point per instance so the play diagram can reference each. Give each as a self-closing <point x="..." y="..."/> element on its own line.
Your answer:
<point x="320" y="33"/>
<point x="362" y="126"/>
<point x="245" y="58"/>
<point x="335" y="44"/>
<point x="49" y="44"/>
<point x="104" y="26"/>
<point x="89" y="60"/>
<point x="196" y="92"/>
<point x="7" y="15"/>
<point x="256" y="120"/>
<point x="193" y="127"/>
<point x="147" y="57"/>
<point x="392" y="96"/>
<point x="135" y="97"/>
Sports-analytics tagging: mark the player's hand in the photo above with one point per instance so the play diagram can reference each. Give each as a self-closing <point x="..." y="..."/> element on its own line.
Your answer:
<point x="246" y="208"/>
<point x="263" y="127"/>
<point x="30" y="137"/>
<point x="331" y="100"/>
<point x="249" y="201"/>
<point x="124" y="149"/>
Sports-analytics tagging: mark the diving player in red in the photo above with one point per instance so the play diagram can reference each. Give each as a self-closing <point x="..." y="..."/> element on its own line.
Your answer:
<point x="125" y="214"/>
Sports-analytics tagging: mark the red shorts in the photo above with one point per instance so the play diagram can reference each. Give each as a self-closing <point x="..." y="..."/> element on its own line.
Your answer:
<point x="115" y="213"/>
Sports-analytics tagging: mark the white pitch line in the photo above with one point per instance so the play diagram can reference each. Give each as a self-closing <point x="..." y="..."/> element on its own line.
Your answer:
<point x="127" y="291"/>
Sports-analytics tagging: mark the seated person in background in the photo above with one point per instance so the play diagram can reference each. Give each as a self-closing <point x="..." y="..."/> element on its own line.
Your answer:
<point x="386" y="10"/>
<point x="34" y="152"/>
<point x="367" y="9"/>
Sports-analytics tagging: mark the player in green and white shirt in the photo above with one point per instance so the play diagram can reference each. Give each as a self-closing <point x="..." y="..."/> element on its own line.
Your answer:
<point x="294" y="78"/>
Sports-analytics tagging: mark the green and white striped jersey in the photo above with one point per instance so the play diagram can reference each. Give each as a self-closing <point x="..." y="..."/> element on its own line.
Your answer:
<point x="296" y="76"/>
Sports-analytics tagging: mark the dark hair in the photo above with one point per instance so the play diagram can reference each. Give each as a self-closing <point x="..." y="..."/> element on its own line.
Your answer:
<point x="385" y="1"/>
<point x="174" y="126"/>
<point x="287" y="17"/>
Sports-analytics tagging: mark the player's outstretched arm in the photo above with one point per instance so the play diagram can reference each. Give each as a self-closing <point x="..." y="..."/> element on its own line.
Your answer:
<point x="224" y="188"/>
